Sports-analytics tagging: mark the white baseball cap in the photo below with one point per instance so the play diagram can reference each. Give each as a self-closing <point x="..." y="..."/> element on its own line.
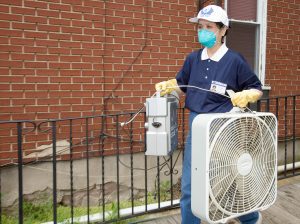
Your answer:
<point x="212" y="13"/>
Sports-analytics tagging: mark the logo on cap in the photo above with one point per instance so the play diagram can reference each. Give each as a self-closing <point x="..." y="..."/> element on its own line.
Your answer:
<point x="207" y="11"/>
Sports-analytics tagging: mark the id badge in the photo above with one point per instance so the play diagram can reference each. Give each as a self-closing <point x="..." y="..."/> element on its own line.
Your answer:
<point x="218" y="87"/>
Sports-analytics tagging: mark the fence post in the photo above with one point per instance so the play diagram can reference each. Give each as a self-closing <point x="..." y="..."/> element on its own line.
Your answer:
<point x="87" y="168"/>
<point x="20" y="171"/>
<point x="54" y="172"/>
<point x="71" y="171"/>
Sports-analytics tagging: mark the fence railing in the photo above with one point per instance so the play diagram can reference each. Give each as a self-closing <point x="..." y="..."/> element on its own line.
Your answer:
<point x="287" y="111"/>
<point x="93" y="164"/>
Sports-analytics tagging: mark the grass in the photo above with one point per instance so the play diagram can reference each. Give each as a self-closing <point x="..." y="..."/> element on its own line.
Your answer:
<point x="39" y="213"/>
<point x="43" y="212"/>
<point x="34" y="213"/>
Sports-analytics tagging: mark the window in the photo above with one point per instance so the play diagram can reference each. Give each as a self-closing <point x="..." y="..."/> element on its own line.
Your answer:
<point x="248" y="21"/>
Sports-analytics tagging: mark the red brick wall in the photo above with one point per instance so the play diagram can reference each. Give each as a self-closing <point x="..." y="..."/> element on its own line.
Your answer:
<point x="283" y="47"/>
<point x="68" y="59"/>
<point x="72" y="58"/>
<point x="283" y="61"/>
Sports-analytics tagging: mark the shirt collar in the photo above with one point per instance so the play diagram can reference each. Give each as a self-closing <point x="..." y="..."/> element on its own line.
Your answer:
<point x="217" y="55"/>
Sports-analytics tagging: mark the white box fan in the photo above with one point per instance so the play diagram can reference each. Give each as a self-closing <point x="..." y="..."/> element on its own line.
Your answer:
<point x="234" y="164"/>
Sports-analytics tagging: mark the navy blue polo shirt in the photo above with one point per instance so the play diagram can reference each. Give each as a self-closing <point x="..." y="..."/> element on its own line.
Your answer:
<point x="232" y="71"/>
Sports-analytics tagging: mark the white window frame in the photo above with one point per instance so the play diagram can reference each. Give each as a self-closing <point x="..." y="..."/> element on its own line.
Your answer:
<point x="261" y="38"/>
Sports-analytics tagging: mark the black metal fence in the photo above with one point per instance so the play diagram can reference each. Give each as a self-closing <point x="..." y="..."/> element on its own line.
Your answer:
<point x="287" y="111"/>
<point x="30" y="144"/>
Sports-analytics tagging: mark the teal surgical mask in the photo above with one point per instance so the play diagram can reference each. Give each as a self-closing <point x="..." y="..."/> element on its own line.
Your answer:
<point x="207" y="38"/>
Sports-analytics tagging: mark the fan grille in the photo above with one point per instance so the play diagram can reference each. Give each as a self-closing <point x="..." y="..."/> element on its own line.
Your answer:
<point x="242" y="164"/>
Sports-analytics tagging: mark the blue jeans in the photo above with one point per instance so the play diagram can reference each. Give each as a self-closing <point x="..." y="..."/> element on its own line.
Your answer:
<point x="187" y="217"/>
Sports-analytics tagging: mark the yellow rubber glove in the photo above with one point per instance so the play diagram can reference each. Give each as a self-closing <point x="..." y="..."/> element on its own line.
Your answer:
<point x="241" y="99"/>
<point x="166" y="87"/>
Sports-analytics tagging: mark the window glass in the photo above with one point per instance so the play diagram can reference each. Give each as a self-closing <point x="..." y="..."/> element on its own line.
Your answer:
<point x="242" y="9"/>
<point x="248" y="21"/>
<point x="242" y="38"/>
